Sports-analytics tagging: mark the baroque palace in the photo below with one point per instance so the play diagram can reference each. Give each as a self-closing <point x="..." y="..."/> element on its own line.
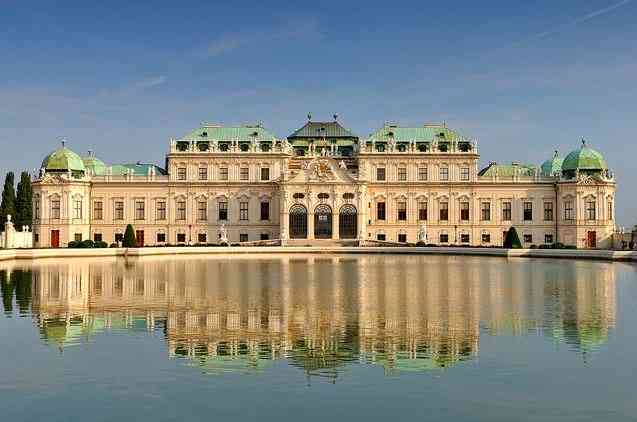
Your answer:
<point x="324" y="184"/>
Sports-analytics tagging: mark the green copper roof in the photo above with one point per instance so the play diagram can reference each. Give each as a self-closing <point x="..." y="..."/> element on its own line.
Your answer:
<point x="553" y="166"/>
<point x="425" y="133"/>
<point x="322" y="130"/>
<point x="584" y="158"/>
<point x="63" y="159"/>
<point x="139" y="169"/>
<point x="94" y="165"/>
<point x="222" y="133"/>
<point x="508" y="170"/>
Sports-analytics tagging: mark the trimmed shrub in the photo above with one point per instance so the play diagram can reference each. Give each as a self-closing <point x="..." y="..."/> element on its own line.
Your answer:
<point x="129" y="237"/>
<point x="88" y="243"/>
<point x="73" y="244"/>
<point x="113" y="245"/>
<point x="512" y="240"/>
<point x="100" y="244"/>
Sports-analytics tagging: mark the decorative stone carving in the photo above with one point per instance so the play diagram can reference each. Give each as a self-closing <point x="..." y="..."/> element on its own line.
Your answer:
<point x="223" y="234"/>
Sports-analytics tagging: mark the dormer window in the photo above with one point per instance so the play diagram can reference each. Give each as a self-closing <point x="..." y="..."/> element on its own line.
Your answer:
<point x="255" y="134"/>
<point x="391" y="134"/>
<point x="244" y="147"/>
<point x="204" y="134"/>
<point x="442" y="135"/>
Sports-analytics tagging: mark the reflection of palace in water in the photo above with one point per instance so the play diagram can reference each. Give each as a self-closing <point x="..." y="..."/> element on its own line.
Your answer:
<point x="404" y="313"/>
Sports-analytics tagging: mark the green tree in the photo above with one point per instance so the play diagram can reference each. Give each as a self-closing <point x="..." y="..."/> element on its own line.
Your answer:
<point x="129" y="237"/>
<point x="24" y="202"/>
<point x="7" y="206"/>
<point x="512" y="240"/>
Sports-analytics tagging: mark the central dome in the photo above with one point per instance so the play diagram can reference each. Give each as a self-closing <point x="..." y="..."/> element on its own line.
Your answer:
<point x="584" y="158"/>
<point x="63" y="159"/>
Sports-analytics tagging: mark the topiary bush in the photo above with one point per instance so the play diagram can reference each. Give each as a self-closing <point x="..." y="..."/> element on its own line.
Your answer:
<point x="73" y="244"/>
<point x="88" y="243"/>
<point x="512" y="240"/>
<point x="100" y="244"/>
<point x="129" y="237"/>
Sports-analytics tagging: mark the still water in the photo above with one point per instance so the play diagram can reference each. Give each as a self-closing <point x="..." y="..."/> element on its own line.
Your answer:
<point x="318" y="338"/>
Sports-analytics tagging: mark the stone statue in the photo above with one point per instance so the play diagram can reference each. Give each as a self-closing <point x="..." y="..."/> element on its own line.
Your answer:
<point x="223" y="235"/>
<point x="422" y="233"/>
<point x="342" y="164"/>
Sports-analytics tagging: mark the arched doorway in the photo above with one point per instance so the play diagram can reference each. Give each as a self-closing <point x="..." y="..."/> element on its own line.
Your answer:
<point x="323" y="222"/>
<point x="348" y="222"/>
<point x="298" y="222"/>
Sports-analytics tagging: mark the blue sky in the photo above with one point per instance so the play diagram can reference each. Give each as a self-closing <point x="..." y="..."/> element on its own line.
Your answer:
<point x="121" y="78"/>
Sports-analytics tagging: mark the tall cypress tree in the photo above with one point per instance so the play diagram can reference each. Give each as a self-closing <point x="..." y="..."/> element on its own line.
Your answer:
<point x="24" y="206"/>
<point x="7" y="206"/>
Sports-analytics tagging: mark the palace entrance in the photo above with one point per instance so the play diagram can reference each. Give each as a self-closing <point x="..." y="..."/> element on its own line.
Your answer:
<point x="347" y="222"/>
<point x="55" y="238"/>
<point x="323" y="222"/>
<point x="298" y="222"/>
<point x="591" y="239"/>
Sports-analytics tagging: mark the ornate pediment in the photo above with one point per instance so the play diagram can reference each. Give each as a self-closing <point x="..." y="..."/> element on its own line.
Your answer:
<point x="53" y="179"/>
<point x="322" y="170"/>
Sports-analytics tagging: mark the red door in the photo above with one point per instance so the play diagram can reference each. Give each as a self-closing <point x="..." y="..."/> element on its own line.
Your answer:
<point x="139" y="238"/>
<point x="592" y="239"/>
<point x="55" y="238"/>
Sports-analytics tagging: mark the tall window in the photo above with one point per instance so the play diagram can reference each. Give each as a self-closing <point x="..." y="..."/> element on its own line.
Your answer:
<point x="223" y="173"/>
<point x="98" y="210"/>
<point x="590" y="210"/>
<point x="77" y="208"/>
<point x="380" y="211"/>
<point x="380" y="174"/>
<point x="444" y="211"/>
<point x="464" y="173"/>
<point x="161" y="210"/>
<point x="203" y="173"/>
<point x="202" y="210"/>
<point x="139" y="210"/>
<point x="422" y="211"/>
<point x="464" y="211"/>
<point x="243" y="210"/>
<point x="402" y="211"/>
<point x="569" y="213"/>
<point x="119" y="210"/>
<point x="610" y="210"/>
<point x="265" y="173"/>
<point x="181" y="210"/>
<point x="244" y="173"/>
<point x="506" y="211"/>
<point x="422" y="173"/>
<point x="548" y="211"/>
<point x="485" y="211"/>
<point x="265" y="210"/>
<point x="223" y="211"/>
<point x="55" y="209"/>
<point x="36" y="208"/>
<point x="444" y="173"/>
<point x="402" y="174"/>
<point x="528" y="211"/>
<point x="181" y="173"/>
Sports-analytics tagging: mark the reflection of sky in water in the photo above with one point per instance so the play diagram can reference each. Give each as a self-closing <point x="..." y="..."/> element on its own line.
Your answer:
<point x="320" y="315"/>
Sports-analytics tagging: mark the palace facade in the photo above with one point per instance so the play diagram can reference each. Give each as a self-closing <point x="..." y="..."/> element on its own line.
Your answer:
<point x="324" y="184"/>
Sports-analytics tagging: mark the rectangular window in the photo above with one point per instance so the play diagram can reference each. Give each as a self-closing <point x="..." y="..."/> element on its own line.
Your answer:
<point x="202" y="238"/>
<point x="265" y="211"/>
<point x="486" y="238"/>
<point x="223" y="173"/>
<point x="78" y="237"/>
<point x="98" y="210"/>
<point x="568" y="210"/>
<point x="202" y="210"/>
<point x="506" y="211"/>
<point x="464" y="211"/>
<point x="265" y="173"/>
<point x="265" y="236"/>
<point x="610" y="210"/>
<point x="77" y="209"/>
<point x="381" y="237"/>
<point x="181" y="173"/>
<point x="422" y="173"/>
<point x="444" y="173"/>
<point x="243" y="211"/>
<point x="380" y="211"/>
<point x="548" y="238"/>
<point x="244" y="173"/>
<point x="161" y="210"/>
<point x="223" y="211"/>
<point x="402" y="238"/>
<point x="528" y="238"/>
<point x="402" y="174"/>
<point x="203" y="173"/>
<point x="548" y="211"/>
<point x="444" y="238"/>
<point x="380" y="174"/>
<point x="139" y="210"/>
<point x="464" y="173"/>
<point x="444" y="211"/>
<point x="97" y="237"/>
<point x="243" y="237"/>
<point x="181" y="237"/>
<point x="181" y="210"/>
<point x="161" y="237"/>
<point x="590" y="210"/>
<point x="402" y="211"/>
<point x="485" y="211"/>
<point x="422" y="211"/>
<point x="119" y="210"/>
<point x="528" y="211"/>
<point x="55" y="208"/>
<point x="464" y="238"/>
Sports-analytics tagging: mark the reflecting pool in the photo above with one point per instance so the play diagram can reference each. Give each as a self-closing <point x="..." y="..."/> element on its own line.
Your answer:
<point x="361" y="337"/>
